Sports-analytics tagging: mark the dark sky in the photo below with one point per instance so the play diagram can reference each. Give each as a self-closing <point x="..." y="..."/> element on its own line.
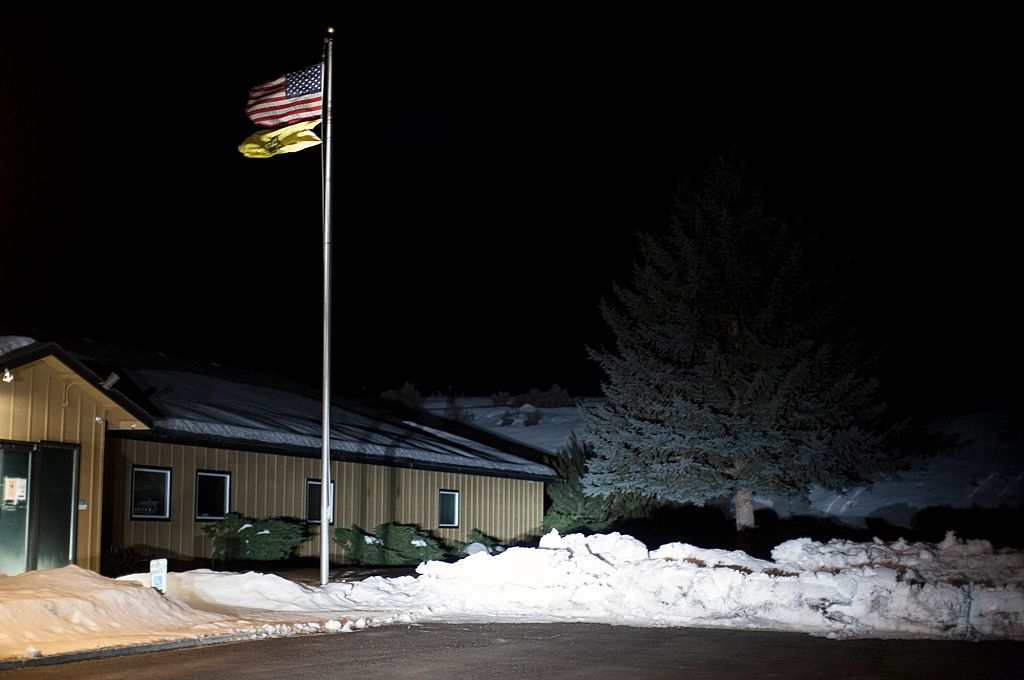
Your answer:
<point x="491" y="174"/>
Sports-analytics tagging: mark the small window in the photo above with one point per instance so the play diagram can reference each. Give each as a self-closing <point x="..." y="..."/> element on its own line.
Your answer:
<point x="151" y="493"/>
<point x="313" y="501"/>
<point x="448" y="509"/>
<point x="213" y="494"/>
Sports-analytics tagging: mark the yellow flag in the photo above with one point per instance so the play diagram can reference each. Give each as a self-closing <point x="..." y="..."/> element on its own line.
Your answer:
<point x="290" y="138"/>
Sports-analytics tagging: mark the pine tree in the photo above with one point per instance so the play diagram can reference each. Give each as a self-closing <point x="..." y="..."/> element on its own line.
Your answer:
<point x="731" y="374"/>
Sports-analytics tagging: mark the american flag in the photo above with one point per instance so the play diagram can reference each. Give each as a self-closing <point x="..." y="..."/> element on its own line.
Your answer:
<point x="292" y="97"/>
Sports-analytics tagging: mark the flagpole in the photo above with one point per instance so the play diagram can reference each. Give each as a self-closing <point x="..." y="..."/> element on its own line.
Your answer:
<point x="326" y="501"/>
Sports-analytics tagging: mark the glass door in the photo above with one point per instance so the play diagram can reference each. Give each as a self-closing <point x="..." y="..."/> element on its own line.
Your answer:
<point x="14" y="505"/>
<point x="54" y="490"/>
<point x="38" y="506"/>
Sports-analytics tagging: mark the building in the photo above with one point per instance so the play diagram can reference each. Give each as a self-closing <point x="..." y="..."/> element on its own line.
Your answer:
<point x="104" y="448"/>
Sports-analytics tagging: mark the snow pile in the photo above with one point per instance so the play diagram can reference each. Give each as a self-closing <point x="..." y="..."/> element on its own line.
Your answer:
<point x="71" y="609"/>
<point x="954" y="590"/>
<point x="951" y="561"/>
<point x="613" y="579"/>
<point x="951" y="590"/>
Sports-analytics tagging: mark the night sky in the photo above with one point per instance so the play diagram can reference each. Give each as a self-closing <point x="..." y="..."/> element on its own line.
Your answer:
<point x="491" y="175"/>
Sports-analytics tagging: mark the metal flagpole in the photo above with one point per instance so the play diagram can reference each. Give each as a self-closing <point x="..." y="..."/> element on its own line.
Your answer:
<point x="326" y="500"/>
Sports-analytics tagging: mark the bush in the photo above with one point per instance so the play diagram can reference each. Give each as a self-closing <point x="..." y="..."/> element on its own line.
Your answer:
<point x="525" y="414"/>
<point x="531" y="416"/>
<point x="500" y="399"/>
<point x="129" y="559"/>
<point x="407" y="394"/>
<point x="571" y="510"/>
<point x="243" y="538"/>
<point x="457" y="413"/>
<point x="390" y="544"/>
<point x="553" y="397"/>
<point x="477" y="536"/>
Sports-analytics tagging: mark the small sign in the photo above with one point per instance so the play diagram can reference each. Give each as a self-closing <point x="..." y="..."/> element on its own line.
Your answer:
<point x="158" y="574"/>
<point x="15" y="489"/>
<point x="83" y="504"/>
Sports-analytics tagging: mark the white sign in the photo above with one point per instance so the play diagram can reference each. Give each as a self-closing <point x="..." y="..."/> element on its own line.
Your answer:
<point x="158" y="574"/>
<point x="15" y="489"/>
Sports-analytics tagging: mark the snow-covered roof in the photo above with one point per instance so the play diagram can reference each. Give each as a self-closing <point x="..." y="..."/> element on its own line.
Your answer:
<point x="207" y="404"/>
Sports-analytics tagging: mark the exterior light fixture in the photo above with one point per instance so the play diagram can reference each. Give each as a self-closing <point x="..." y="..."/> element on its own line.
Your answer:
<point x="8" y="376"/>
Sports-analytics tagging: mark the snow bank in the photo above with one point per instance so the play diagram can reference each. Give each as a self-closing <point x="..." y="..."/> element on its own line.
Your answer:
<point x="951" y="590"/>
<point x="613" y="579"/>
<point x="70" y="609"/>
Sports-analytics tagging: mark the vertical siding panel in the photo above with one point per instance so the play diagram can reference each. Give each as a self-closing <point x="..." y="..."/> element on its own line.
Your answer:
<point x="251" y="476"/>
<point x="21" y="409"/>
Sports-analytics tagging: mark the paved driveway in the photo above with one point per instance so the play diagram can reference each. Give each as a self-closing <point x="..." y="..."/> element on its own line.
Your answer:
<point x="563" y="651"/>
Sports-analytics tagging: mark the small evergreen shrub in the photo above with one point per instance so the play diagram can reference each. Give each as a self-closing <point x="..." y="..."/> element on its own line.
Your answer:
<point x="553" y="397"/>
<point x="453" y="411"/>
<point x="531" y="416"/>
<point x="237" y="538"/>
<point x="390" y="544"/>
<point x="525" y="414"/>
<point x="407" y="394"/>
<point x="129" y="559"/>
<point x="572" y="510"/>
<point x="458" y="548"/>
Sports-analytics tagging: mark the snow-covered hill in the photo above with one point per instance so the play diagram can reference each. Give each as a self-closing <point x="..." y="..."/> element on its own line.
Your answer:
<point x="985" y="471"/>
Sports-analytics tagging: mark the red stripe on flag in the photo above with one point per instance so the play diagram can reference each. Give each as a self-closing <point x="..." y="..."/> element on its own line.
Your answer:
<point x="268" y="106"/>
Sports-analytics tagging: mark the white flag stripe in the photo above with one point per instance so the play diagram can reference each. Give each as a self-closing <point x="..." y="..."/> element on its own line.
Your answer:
<point x="293" y="97"/>
<point x="277" y="111"/>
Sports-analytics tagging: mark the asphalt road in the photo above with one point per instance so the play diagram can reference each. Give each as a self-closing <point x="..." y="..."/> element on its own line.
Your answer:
<point x="532" y="651"/>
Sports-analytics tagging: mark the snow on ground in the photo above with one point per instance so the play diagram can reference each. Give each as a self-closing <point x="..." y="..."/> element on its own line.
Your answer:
<point x="550" y="433"/>
<point x="951" y="590"/>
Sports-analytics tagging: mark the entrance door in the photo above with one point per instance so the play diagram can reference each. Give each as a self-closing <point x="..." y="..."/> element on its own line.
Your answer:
<point x="38" y="506"/>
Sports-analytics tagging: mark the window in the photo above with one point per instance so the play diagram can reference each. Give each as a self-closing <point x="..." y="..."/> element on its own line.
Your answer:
<point x="213" y="494"/>
<point x="313" y="501"/>
<point x="448" y="508"/>
<point x="151" y="492"/>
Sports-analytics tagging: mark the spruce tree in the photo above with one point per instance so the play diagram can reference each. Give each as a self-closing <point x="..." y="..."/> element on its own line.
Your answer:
<point x="731" y="373"/>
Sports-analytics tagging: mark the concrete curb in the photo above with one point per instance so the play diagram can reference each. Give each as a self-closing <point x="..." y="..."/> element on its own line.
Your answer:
<point x="107" y="652"/>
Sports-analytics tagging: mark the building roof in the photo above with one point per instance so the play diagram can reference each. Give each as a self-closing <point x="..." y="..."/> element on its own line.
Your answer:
<point x="205" y="404"/>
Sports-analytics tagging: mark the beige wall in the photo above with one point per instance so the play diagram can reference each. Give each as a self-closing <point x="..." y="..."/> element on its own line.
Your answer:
<point x="47" y="401"/>
<point x="269" y="485"/>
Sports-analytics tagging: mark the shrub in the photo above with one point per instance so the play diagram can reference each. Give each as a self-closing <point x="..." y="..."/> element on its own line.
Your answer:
<point x="572" y="510"/>
<point x="129" y="559"/>
<point x="407" y="394"/>
<point x="457" y="413"/>
<point x="525" y="414"/>
<point x="531" y="416"/>
<point x="553" y="397"/>
<point x="500" y="399"/>
<point x="390" y="544"/>
<point x="458" y="548"/>
<point x="243" y="538"/>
